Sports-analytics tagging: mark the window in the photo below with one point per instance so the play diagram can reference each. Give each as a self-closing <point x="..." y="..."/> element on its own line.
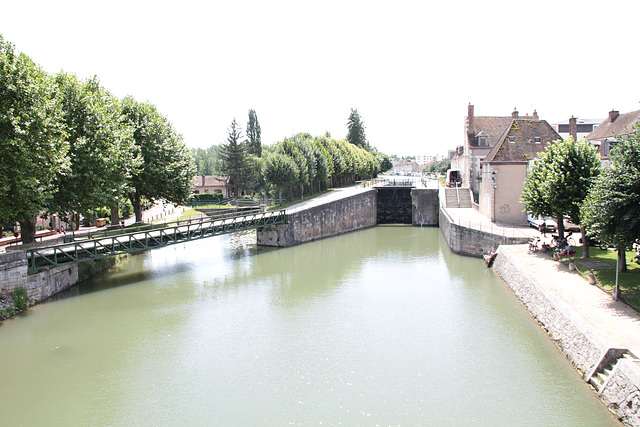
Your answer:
<point x="512" y="139"/>
<point x="537" y="139"/>
<point x="482" y="141"/>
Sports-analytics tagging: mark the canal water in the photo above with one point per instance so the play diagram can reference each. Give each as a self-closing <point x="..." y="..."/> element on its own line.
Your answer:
<point x="378" y="327"/>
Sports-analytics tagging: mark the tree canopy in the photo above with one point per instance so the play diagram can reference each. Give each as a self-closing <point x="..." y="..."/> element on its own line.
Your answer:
<point x="33" y="147"/>
<point x="167" y="167"/>
<point x="611" y="210"/>
<point x="560" y="179"/>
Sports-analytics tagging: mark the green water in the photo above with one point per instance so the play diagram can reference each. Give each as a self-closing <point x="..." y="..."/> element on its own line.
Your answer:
<point x="378" y="327"/>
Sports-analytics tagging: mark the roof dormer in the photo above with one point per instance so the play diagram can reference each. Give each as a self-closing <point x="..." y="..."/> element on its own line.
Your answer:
<point x="483" y="139"/>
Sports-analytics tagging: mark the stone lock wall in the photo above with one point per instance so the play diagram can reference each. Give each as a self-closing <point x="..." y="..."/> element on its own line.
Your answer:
<point x="468" y="241"/>
<point x="326" y="220"/>
<point x="424" y="206"/>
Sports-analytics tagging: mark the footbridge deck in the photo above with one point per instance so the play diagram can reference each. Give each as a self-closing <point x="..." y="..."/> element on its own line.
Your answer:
<point x="116" y="242"/>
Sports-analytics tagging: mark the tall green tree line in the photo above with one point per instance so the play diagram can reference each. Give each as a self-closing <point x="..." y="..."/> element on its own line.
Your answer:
<point x="69" y="146"/>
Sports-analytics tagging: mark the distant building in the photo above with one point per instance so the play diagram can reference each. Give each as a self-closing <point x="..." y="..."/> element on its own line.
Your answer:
<point x="407" y="167"/>
<point x="425" y="159"/>
<point x="576" y="127"/>
<point x="605" y="135"/>
<point x="211" y="184"/>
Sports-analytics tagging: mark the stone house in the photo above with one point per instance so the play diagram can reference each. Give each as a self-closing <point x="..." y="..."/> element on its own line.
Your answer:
<point x="604" y="136"/>
<point x="482" y="134"/>
<point x="504" y="168"/>
<point x="211" y="184"/>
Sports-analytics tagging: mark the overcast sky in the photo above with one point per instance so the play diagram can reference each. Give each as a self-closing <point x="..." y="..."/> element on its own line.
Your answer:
<point x="409" y="67"/>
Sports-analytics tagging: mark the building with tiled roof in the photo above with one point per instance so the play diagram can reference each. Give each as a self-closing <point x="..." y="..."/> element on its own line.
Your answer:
<point x="605" y="135"/>
<point x="482" y="133"/>
<point x="504" y="168"/>
<point x="211" y="184"/>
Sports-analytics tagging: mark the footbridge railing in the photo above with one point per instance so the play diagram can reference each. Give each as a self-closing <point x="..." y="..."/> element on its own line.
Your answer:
<point x="142" y="239"/>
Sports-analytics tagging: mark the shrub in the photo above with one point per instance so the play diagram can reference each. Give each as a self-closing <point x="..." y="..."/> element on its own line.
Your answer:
<point x="21" y="298"/>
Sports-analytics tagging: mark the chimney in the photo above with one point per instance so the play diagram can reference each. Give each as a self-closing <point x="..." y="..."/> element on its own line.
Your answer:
<point x="613" y="115"/>
<point x="573" y="128"/>
<point x="535" y="114"/>
<point x="515" y="113"/>
<point x="470" y="124"/>
<point x="203" y="180"/>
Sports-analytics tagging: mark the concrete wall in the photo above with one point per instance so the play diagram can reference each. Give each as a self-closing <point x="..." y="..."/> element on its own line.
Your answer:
<point x="468" y="241"/>
<point x="40" y="286"/>
<point x="330" y="219"/>
<point x="424" y="206"/>
<point x="582" y="346"/>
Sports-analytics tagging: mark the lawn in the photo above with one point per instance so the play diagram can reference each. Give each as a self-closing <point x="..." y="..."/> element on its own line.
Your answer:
<point x="628" y="282"/>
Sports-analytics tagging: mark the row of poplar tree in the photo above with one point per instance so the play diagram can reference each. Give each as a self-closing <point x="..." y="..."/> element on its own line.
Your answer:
<point x="69" y="146"/>
<point x="301" y="163"/>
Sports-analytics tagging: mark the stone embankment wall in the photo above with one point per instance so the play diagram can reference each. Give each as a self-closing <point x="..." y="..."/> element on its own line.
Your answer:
<point x="41" y="285"/>
<point x="581" y="344"/>
<point x="424" y="208"/>
<point x="330" y="219"/>
<point x="469" y="241"/>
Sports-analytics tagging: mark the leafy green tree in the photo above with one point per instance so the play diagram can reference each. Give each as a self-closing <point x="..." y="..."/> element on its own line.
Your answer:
<point x="254" y="143"/>
<point x="611" y="210"/>
<point x="559" y="181"/>
<point x="208" y="161"/>
<point x="324" y="164"/>
<point x="102" y="151"/>
<point x="356" y="134"/>
<point x="167" y="167"/>
<point x="236" y="162"/>
<point x="289" y="148"/>
<point x="32" y="144"/>
<point x="384" y="161"/>
<point x="280" y="170"/>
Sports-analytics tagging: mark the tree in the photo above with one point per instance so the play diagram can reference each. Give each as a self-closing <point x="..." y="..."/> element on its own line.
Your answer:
<point x="280" y="170"/>
<point x="289" y="148"/>
<point x="235" y="161"/>
<point x="356" y="127"/>
<point x="611" y="210"/>
<point x="559" y="181"/>
<point x="32" y="145"/>
<point x="102" y="151"/>
<point x="254" y="144"/>
<point x="383" y="161"/>
<point x="167" y="167"/>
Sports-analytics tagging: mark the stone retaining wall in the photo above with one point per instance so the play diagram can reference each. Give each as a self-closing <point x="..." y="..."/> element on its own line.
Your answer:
<point x="469" y="241"/>
<point x="330" y="219"/>
<point x="41" y="285"/>
<point x="577" y="340"/>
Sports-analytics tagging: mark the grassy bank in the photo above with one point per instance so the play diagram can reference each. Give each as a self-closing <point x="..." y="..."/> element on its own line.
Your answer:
<point x="603" y="263"/>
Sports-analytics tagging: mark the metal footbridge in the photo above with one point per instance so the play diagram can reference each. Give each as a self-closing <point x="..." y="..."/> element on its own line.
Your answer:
<point x="135" y="239"/>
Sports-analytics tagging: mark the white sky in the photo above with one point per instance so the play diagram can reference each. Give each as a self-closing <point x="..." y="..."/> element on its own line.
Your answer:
<point x="409" y="67"/>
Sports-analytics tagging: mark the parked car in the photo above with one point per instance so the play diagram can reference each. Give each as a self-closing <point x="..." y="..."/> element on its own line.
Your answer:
<point x="549" y="222"/>
<point x="569" y="226"/>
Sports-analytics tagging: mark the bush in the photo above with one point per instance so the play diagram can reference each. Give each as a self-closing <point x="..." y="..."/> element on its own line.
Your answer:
<point x="21" y="298"/>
